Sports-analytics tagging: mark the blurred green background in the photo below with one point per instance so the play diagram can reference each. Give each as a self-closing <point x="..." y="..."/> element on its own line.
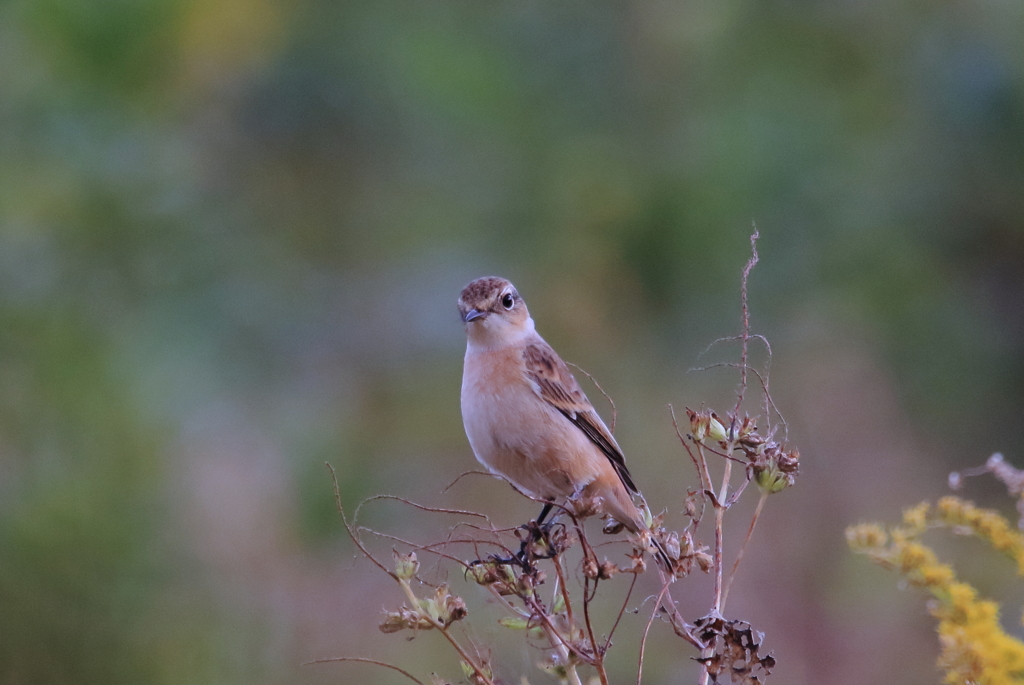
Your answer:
<point x="232" y="233"/>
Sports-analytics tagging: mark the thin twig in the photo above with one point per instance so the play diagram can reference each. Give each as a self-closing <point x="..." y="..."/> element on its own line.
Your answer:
<point x="679" y="625"/>
<point x="743" y="547"/>
<point x="589" y="592"/>
<point x="720" y="534"/>
<point x="348" y="527"/>
<point x="700" y="465"/>
<point x="555" y="637"/>
<point x="647" y="629"/>
<point x="466" y="473"/>
<point x="421" y="507"/>
<point x="622" y="610"/>
<point x="415" y="602"/>
<point x="424" y="548"/>
<point x="365" y="661"/>
<point x="556" y="561"/>
<point x="764" y="377"/>
<point x="746" y="320"/>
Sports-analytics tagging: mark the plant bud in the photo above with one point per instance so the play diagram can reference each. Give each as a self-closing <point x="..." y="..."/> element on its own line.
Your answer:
<point x="698" y="425"/>
<point x="672" y="545"/>
<point x="705" y="561"/>
<point x="716" y="431"/>
<point x="648" y="518"/>
<point x="770" y="480"/>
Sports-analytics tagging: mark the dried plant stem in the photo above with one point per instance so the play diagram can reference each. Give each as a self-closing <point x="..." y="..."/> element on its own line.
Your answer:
<point x="745" y="336"/>
<point x="719" y="514"/>
<point x="700" y="463"/>
<point x="366" y="661"/>
<point x="743" y="547"/>
<point x="598" y="655"/>
<point x="720" y="507"/>
<point x="647" y="629"/>
<point x="588" y="596"/>
<point x="558" y="642"/>
<point x="679" y="625"/>
<point x="622" y="610"/>
<point x="561" y="588"/>
<point x="348" y="526"/>
<point x="463" y="654"/>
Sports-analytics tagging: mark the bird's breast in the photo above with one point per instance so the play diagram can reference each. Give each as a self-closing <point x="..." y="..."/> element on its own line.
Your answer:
<point x="517" y="434"/>
<point x="499" y="407"/>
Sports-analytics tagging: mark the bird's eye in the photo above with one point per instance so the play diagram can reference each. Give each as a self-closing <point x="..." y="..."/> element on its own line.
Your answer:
<point x="508" y="301"/>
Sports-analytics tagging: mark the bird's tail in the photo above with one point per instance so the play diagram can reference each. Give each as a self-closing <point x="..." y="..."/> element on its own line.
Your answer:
<point x="661" y="556"/>
<point x="637" y="519"/>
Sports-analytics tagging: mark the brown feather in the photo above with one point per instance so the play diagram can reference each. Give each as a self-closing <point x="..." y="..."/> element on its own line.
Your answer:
<point x="558" y="387"/>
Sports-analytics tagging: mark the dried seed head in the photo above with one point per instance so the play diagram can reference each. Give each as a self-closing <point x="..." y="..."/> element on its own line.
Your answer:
<point x="406" y="565"/>
<point x="607" y="570"/>
<point x="705" y="561"/>
<point x="775" y="470"/>
<point x="691" y="506"/>
<point x="698" y="424"/>
<point x="671" y="544"/>
<point x="638" y="565"/>
<point x="705" y="425"/>
<point x="732" y="651"/>
<point x="445" y="607"/>
<point x="405" y="617"/>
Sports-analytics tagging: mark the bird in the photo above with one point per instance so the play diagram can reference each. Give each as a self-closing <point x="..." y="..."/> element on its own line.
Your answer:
<point x="528" y="420"/>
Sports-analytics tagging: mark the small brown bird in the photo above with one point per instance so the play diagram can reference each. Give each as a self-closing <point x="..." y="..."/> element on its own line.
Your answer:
<point x="527" y="418"/>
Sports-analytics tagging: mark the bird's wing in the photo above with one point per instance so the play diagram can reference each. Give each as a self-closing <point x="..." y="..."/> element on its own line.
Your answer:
<point x="556" y="385"/>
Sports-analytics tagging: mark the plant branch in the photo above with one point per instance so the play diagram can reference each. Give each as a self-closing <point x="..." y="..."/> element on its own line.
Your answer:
<point x="746" y="320"/>
<point x="443" y="629"/>
<point x="365" y="661"/>
<point x="348" y="527"/>
<point x="743" y="547"/>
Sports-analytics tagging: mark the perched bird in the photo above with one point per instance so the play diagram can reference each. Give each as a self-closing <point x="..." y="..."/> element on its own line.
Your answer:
<point x="526" y="417"/>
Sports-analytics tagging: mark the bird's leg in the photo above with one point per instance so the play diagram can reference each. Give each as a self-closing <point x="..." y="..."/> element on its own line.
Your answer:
<point x="544" y="512"/>
<point x="535" y="532"/>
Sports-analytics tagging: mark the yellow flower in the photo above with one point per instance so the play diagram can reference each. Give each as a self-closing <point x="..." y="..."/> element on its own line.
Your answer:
<point x="916" y="518"/>
<point x="974" y="648"/>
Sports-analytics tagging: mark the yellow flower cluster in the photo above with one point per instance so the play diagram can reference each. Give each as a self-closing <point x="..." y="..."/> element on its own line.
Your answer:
<point x="975" y="649"/>
<point x="986" y="524"/>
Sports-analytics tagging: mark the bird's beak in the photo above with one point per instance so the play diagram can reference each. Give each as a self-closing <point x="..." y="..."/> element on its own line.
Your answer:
<point x="473" y="315"/>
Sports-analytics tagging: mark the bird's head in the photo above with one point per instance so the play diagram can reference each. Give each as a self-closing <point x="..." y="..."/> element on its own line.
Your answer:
<point x="493" y="311"/>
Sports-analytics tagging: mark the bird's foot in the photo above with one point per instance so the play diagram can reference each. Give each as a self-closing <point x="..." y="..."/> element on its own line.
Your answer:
<point x="539" y="541"/>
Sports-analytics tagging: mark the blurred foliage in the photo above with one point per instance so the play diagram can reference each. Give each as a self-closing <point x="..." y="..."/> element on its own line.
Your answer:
<point x="251" y="218"/>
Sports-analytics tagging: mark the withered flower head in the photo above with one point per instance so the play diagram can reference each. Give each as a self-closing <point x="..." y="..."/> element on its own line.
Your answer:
<point x="775" y="470"/>
<point x="406" y="565"/>
<point x="704" y="425"/>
